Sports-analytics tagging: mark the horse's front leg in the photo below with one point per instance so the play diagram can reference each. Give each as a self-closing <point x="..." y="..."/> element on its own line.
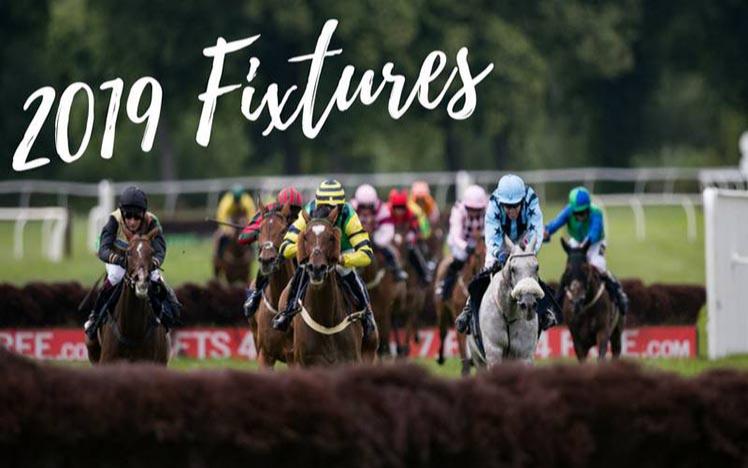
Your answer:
<point x="602" y="344"/>
<point x="494" y="352"/>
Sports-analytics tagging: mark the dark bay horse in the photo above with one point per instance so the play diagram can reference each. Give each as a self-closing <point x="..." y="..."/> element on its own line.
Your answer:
<point x="273" y="345"/>
<point x="589" y="311"/>
<point x="446" y="312"/>
<point x="385" y="291"/>
<point x="132" y="332"/>
<point x="326" y="331"/>
<point x="416" y="294"/>
<point x="233" y="263"/>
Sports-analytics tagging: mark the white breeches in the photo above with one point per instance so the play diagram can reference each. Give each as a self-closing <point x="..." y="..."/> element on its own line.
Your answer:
<point x="115" y="273"/>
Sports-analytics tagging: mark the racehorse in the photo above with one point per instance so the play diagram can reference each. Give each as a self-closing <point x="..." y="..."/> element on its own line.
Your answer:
<point x="417" y="291"/>
<point x="591" y="314"/>
<point x="132" y="331"/>
<point x="446" y="312"/>
<point x="385" y="291"/>
<point x="233" y="263"/>
<point x="273" y="345"/>
<point x="507" y="316"/>
<point x="327" y="330"/>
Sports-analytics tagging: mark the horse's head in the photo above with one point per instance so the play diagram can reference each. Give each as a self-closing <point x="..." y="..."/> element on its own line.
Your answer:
<point x="139" y="258"/>
<point x="577" y="273"/>
<point x="319" y="244"/>
<point x="274" y="225"/>
<point x="521" y="275"/>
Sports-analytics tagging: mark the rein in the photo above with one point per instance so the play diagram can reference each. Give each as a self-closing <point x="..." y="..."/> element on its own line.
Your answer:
<point x="322" y="329"/>
<point x="377" y="279"/>
<point x="594" y="300"/>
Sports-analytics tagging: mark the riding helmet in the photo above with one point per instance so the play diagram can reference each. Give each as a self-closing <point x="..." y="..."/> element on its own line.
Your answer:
<point x="475" y="197"/>
<point x="330" y="192"/>
<point x="133" y="197"/>
<point x="511" y="189"/>
<point x="238" y="192"/>
<point x="291" y="196"/>
<point x="579" y="199"/>
<point x="366" y="195"/>
<point x="398" y="198"/>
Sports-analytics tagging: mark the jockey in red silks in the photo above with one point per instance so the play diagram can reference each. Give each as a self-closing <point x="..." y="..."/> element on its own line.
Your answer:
<point x="251" y="231"/>
<point x="403" y="218"/>
<point x="466" y="224"/>
<point x="375" y="216"/>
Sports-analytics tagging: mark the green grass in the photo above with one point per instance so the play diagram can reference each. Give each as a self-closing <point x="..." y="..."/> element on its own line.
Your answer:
<point x="665" y="255"/>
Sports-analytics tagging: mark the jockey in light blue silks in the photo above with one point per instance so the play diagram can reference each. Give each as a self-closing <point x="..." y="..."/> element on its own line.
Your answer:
<point x="584" y="222"/>
<point x="514" y="211"/>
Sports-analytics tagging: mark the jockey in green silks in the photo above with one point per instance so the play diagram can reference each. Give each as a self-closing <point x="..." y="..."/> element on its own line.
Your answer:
<point x="584" y="223"/>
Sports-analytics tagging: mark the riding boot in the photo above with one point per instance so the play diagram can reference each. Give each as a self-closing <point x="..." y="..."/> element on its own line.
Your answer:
<point x="419" y="263"/>
<point x="462" y="323"/>
<point x="614" y="288"/>
<point x="550" y="304"/>
<point x="254" y="295"/>
<point x="358" y="289"/>
<point x="99" y="310"/>
<point x="450" y="279"/>
<point x="299" y="283"/>
<point x="393" y="265"/>
<point x="164" y="303"/>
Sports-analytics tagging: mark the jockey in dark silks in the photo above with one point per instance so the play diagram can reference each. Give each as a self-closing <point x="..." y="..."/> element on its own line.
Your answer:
<point x="249" y="234"/>
<point x="586" y="227"/>
<point x="514" y="211"/>
<point x="354" y="245"/>
<point x="131" y="218"/>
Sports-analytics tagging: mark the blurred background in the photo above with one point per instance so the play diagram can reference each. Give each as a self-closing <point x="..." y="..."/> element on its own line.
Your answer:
<point x="643" y="102"/>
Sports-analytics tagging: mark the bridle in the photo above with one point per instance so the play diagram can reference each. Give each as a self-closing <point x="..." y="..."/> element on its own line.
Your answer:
<point x="269" y="243"/>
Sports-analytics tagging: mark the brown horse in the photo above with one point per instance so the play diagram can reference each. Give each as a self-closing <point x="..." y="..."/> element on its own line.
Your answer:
<point x="446" y="312"/>
<point x="589" y="311"/>
<point x="415" y="301"/>
<point x="324" y="332"/>
<point x="385" y="291"/>
<point x="273" y="345"/>
<point x="233" y="264"/>
<point x="132" y="332"/>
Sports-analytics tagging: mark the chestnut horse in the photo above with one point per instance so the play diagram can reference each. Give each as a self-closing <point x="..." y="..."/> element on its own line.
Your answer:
<point x="385" y="291"/>
<point x="132" y="331"/>
<point x="446" y="312"/>
<point x="326" y="331"/>
<point x="273" y="345"/>
<point x="589" y="311"/>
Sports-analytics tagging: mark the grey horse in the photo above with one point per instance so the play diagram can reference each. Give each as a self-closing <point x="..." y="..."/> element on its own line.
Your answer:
<point x="508" y="320"/>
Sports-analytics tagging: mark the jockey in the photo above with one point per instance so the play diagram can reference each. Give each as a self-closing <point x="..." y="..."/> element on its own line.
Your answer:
<point x="131" y="218"/>
<point x="236" y="206"/>
<point x="290" y="196"/>
<point x="405" y="215"/>
<point x="420" y="194"/>
<point x="584" y="223"/>
<point x="367" y="202"/>
<point x="465" y="225"/>
<point x="355" y="249"/>
<point x="514" y="211"/>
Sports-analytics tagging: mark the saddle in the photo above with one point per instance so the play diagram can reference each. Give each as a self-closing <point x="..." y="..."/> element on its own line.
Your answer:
<point x="477" y="288"/>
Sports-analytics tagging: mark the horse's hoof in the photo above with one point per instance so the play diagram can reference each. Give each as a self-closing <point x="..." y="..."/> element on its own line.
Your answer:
<point x="440" y="360"/>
